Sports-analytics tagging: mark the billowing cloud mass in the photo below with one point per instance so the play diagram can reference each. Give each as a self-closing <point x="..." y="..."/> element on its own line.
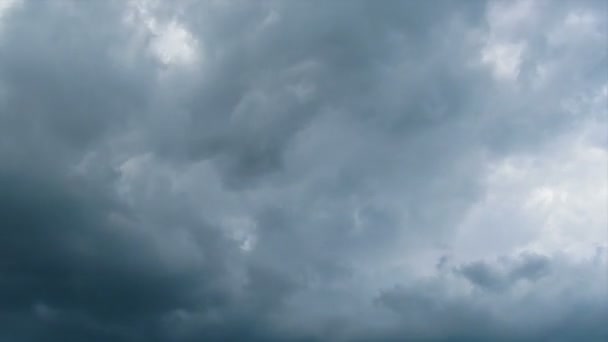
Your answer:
<point x="230" y="170"/>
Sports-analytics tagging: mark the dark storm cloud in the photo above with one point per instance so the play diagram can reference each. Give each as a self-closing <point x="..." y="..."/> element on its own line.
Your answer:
<point x="270" y="184"/>
<point x="247" y="111"/>
<point x="96" y="264"/>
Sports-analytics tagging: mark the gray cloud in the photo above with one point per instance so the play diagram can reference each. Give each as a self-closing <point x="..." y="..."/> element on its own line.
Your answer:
<point x="528" y="267"/>
<point x="223" y="170"/>
<point x="440" y="308"/>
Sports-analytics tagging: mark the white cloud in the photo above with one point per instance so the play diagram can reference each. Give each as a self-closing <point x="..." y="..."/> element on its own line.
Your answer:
<point x="550" y="201"/>
<point x="6" y="6"/>
<point x="170" y="41"/>
<point x="504" y="58"/>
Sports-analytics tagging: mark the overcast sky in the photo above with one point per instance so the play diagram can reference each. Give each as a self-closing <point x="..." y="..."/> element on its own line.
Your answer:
<point x="218" y="170"/>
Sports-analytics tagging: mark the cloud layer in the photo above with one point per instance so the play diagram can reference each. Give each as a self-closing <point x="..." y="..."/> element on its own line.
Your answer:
<point x="303" y="171"/>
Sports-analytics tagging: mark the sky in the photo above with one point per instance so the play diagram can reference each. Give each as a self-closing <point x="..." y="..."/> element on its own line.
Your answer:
<point x="231" y="170"/>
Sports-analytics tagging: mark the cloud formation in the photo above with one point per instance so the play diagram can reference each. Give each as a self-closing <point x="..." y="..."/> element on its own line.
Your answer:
<point x="303" y="171"/>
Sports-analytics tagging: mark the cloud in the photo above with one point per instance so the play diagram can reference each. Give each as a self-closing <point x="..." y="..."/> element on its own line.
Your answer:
<point x="223" y="170"/>
<point x="483" y="275"/>
<point x="523" y="298"/>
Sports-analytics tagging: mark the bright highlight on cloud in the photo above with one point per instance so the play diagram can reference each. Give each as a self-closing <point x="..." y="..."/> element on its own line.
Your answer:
<point x="303" y="171"/>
